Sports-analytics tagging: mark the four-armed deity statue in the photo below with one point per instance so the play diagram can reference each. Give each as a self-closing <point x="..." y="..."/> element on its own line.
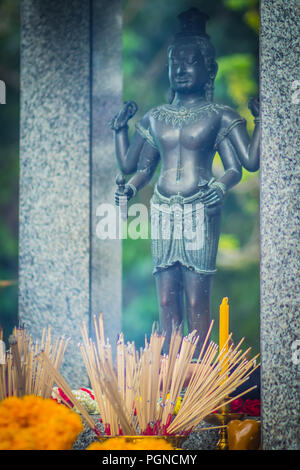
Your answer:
<point x="184" y="135"/>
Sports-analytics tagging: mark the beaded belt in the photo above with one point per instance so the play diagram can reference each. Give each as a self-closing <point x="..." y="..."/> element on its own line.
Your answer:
<point x="178" y="198"/>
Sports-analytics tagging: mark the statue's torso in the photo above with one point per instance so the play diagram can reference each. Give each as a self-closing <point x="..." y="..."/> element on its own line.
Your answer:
<point x="186" y="144"/>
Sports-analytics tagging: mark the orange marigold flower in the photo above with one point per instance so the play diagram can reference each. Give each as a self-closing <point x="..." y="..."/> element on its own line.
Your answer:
<point x="35" y="423"/>
<point x="129" y="443"/>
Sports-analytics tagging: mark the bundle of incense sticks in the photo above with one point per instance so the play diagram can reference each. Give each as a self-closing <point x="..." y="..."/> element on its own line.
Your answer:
<point x="139" y="395"/>
<point x="21" y="373"/>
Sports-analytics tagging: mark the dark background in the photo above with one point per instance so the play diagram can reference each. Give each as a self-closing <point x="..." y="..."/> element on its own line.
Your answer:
<point x="147" y="27"/>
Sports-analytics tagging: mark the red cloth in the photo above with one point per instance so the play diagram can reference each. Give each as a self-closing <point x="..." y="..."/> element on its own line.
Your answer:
<point x="89" y="392"/>
<point x="249" y="407"/>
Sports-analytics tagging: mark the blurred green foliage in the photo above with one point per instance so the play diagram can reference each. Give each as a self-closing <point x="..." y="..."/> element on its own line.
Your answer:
<point x="9" y="162"/>
<point x="148" y="25"/>
<point x="233" y="26"/>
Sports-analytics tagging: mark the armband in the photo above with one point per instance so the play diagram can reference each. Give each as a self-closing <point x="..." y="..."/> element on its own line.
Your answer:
<point x="145" y="133"/>
<point x="224" y="133"/>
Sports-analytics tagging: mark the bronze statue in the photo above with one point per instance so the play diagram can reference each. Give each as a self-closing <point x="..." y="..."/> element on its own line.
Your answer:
<point x="185" y="135"/>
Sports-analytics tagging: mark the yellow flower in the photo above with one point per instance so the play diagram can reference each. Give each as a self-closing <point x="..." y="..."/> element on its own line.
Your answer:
<point x="34" y="423"/>
<point x="129" y="443"/>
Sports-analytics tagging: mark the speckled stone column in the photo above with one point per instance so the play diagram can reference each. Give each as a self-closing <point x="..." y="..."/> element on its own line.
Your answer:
<point x="279" y="41"/>
<point x="106" y="269"/>
<point x="59" y="163"/>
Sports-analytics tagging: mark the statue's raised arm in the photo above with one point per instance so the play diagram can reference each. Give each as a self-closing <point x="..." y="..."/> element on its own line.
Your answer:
<point x="140" y="157"/>
<point x="127" y="153"/>
<point x="234" y="137"/>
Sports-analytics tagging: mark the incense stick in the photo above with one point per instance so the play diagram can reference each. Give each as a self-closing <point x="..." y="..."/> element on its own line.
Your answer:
<point x="142" y="393"/>
<point x="22" y="374"/>
<point x="51" y="370"/>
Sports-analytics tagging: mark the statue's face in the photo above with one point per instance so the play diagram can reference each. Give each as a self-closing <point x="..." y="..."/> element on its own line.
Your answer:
<point x="187" y="71"/>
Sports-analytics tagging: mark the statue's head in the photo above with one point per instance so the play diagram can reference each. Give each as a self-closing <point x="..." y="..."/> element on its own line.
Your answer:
<point x="191" y="55"/>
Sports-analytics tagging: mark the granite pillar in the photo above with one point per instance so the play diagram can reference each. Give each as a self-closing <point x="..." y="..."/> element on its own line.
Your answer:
<point x="61" y="177"/>
<point x="106" y="93"/>
<point x="280" y="334"/>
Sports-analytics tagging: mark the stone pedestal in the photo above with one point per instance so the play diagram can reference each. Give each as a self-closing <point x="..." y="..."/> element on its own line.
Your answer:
<point x="70" y="89"/>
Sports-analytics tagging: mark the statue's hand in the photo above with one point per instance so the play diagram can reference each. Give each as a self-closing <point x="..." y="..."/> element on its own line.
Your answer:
<point x="121" y="119"/>
<point x="253" y="105"/>
<point x="214" y="195"/>
<point x="128" y="193"/>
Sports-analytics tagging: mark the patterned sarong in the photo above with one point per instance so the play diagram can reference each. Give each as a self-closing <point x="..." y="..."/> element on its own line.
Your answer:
<point x="183" y="230"/>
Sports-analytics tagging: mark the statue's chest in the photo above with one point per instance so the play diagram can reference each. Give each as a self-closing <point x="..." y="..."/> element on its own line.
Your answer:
<point x="188" y="129"/>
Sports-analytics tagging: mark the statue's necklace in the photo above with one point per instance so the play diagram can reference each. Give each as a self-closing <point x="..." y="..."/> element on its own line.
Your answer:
<point x="180" y="116"/>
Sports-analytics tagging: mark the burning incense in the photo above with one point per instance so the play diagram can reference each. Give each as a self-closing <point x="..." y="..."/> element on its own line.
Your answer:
<point x="129" y="397"/>
<point x="52" y="372"/>
<point x="21" y="373"/>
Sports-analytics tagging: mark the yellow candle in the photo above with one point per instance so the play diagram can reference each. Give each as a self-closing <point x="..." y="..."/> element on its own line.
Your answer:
<point x="224" y="327"/>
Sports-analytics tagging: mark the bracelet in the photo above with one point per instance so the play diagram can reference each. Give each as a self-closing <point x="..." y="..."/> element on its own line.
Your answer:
<point x="219" y="185"/>
<point x="131" y="186"/>
<point x="117" y="127"/>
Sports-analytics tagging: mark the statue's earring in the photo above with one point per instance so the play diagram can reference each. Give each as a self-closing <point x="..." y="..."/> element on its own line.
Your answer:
<point x="209" y="89"/>
<point x="210" y="85"/>
<point x="171" y="95"/>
